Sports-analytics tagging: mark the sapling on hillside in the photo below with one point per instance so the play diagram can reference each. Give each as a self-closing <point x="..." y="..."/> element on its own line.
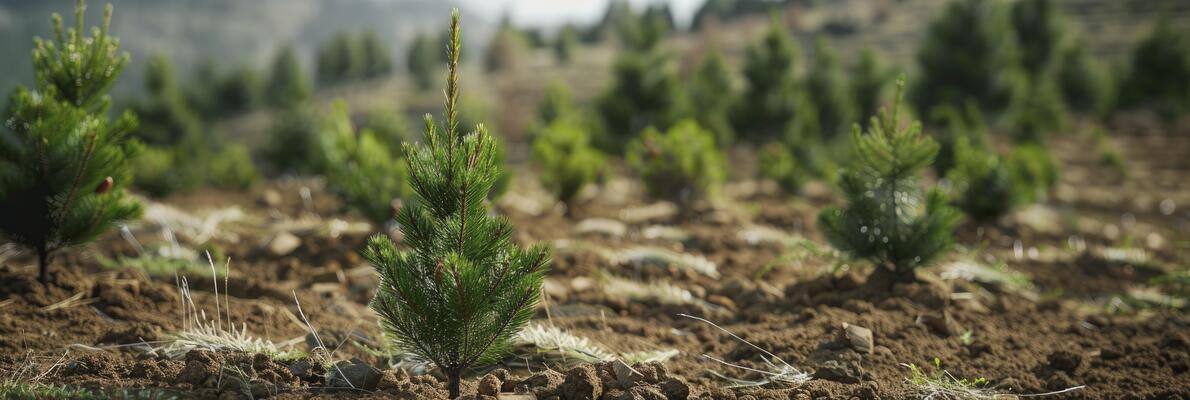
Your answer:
<point x="1158" y="74"/>
<point x="983" y="185"/>
<point x="360" y="168"/>
<point x="767" y="104"/>
<point x="288" y="85"/>
<point x="869" y="79"/>
<point x="568" y="161"/>
<point x="966" y="49"/>
<point x="711" y="95"/>
<point x="681" y="165"/>
<point x="826" y="84"/>
<point x="422" y="61"/>
<point x="889" y="219"/>
<point x="645" y="91"/>
<point x="63" y="163"/>
<point x="462" y="288"/>
<point x="799" y="155"/>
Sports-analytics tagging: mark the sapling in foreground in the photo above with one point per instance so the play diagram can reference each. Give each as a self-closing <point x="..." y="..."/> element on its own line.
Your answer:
<point x="63" y="164"/>
<point x="462" y="288"/>
<point x="889" y="220"/>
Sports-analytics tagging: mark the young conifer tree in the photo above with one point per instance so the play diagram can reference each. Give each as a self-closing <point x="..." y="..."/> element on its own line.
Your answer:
<point x="463" y="288"/>
<point x="568" y="161"/>
<point x="63" y="164"/>
<point x="869" y="79"/>
<point x="964" y="54"/>
<point x="889" y="220"/>
<point x="826" y="84"/>
<point x="288" y="84"/>
<point x="767" y="104"/>
<point x="1158" y="75"/>
<point x="711" y="95"/>
<point x="422" y="61"/>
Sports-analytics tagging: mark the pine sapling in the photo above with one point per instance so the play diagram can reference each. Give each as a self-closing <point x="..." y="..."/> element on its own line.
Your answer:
<point x="983" y="186"/>
<point x="681" y="165"/>
<point x="889" y="220"/>
<point x="462" y="289"/>
<point x="63" y="164"/>
<point x="568" y="161"/>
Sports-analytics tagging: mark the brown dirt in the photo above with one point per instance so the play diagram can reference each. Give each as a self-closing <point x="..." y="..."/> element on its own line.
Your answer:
<point x="1020" y="343"/>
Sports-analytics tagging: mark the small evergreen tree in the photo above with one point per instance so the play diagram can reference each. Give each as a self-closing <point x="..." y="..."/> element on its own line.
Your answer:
<point x="166" y="118"/>
<point x="645" y="91"/>
<point x="360" y="167"/>
<point x="288" y="84"/>
<point x="889" y="220"/>
<point x="506" y="48"/>
<point x="1037" y="108"/>
<point x="800" y="155"/>
<point x="1083" y="82"/>
<point x="293" y="142"/>
<point x="565" y="44"/>
<point x="767" y="105"/>
<point x="681" y="165"/>
<point x="63" y="163"/>
<point x="826" y="84"/>
<point x="568" y="162"/>
<point x="965" y="51"/>
<point x="232" y="168"/>
<point x="389" y="127"/>
<point x="711" y="96"/>
<point x="378" y="61"/>
<point x="1034" y="172"/>
<point x="422" y="61"/>
<point x="869" y="79"/>
<point x="558" y="102"/>
<point x="340" y="60"/>
<point x="983" y="185"/>
<point x="238" y="91"/>
<point x="956" y="124"/>
<point x="462" y="289"/>
<point x="1159" y="73"/>
<point x="1038" y="28"/>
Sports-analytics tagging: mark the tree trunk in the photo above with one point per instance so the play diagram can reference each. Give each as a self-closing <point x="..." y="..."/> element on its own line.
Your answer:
<point x="453" y="377"/>
<point x="43" y="264"/>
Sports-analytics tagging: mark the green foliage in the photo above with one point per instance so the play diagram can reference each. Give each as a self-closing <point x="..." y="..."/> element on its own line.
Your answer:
<point x="232" y="168"/>
<point x="711" y="94"/>
<point x="567" y="159"/>
<point x="983" y="185"/>
<point x="681" y="165"/>
<point x="955" y="124"/>
<point x="557" y="102"/>
<point x="728" y="9"/>
<point x="869" y="80"/>
<point x="826" y="84"/>
<point x="293" y="142"/>
<point x="389" y="127"/>
<point x="157" y="174"/>
<point x="1034" y="172"/>
<point x="1158" y="76"/>
<point x="966" y="50"/>
<point x="462" y="289"/>
<point x="1038" y="28"/>
<point x="288" y="84"/>
<point x="1083" y="82"/>
<point x="643" y="32"/>
<point x="645" y="91"/>
<point x="799" y="156"/>
<point x="767" y="104"/>
<point x="1109" y="154"/>
<point x="63" y="163"/>
<point x="1037" y="108"/>
<point x="889" y="219"/>
<point x="360" y="168"/>
<point x="377" y="59"/>
<point x="340" y="60"/>
<point x="165" y="118"/>
<point x="506" y="49"/>
<point x="422" y="61"/>
<point x="565" y="44"/>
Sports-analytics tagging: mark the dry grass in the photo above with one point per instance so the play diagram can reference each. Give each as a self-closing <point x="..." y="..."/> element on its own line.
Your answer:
<point x="778" y="371"/>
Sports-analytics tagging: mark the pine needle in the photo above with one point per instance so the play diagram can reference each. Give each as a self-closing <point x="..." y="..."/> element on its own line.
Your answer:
<point x="778" y="370"/>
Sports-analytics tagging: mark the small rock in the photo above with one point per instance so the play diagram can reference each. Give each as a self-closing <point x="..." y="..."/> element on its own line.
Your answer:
<point x="271" y="198"/>
<point x="489" y="385"/>
<point x="354" y="374"/>
<point x="283" y="244"/>
<point x="941" y="324"/>
<point x="625" y="376"/>
<point x="582" y="383"/>
<point x="1063" y="360"/>
<point x="675" y="389"/>
<point x="839" y="371"/>
<point x="858" y="337"/>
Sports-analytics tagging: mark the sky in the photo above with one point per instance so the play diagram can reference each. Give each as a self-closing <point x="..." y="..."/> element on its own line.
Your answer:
<point x="549" y="13"/>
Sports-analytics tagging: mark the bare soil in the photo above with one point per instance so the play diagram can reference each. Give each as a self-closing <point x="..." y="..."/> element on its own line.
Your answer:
<point x="1075" y="326"/>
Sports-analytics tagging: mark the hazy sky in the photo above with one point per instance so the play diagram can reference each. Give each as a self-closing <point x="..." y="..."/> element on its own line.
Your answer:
<point x="557" y="12"/>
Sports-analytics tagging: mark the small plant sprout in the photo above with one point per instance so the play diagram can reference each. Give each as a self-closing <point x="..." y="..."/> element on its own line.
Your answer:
<point x="778" y="370"/>
<point x="462" y="290"/>
<point x="63" y="164"/>
<point x="941" y="385"/>
<point x="889" y="219"/>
